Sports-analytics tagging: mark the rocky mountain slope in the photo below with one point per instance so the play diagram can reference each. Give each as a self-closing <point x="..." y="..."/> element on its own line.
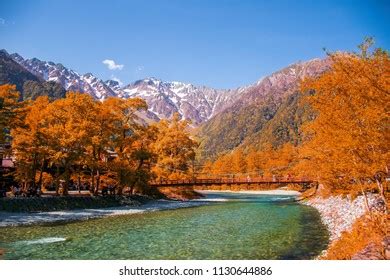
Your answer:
<point x="197" y="104"/>
<point x="69" y="79"/>
<point x="265" y="113"/>
<point x="29" y="85"/>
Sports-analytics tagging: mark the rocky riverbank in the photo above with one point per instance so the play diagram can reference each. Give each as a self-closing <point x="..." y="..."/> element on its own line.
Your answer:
<point x="340" y="213"/>
<point x="26" y="218"/>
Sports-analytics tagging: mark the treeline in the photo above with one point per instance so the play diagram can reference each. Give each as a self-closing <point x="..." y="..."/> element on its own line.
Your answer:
<point x="345" y="144"/>
<point x="78" y="139"/>
<point x="266" y="162"/>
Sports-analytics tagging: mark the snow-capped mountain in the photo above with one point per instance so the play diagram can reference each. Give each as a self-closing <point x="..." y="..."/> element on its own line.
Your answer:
<point x="69" y="79"/>
<point x="197" y="104"/>
<point x="193" y="103"/>
<point x="115" y="86"/>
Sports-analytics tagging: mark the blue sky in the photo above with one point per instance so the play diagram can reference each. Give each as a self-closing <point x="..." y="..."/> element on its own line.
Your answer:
<point x="222" y="44"/>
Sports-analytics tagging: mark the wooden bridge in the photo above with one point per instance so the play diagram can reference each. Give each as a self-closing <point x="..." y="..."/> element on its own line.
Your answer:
<point x="304" y="182"/>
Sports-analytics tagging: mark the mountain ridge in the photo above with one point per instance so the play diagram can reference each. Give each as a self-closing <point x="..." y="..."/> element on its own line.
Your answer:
<point x="29" y="85"/>
<point x="194" y="103"/>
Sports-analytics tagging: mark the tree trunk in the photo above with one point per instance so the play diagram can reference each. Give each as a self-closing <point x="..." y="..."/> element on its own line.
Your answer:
<point x="41" y="174"/>
<point x="33" y="172"/>
<point x="119" y="190"/>
<point x="96" y="192"/>
<point x="92" y="180"/>
<point x="121" y="183"/>
<point x="365" y="198"/>
<point x="131" y="189"/>
<point x="382" y="193"/>
<point x="56" y="180"/>
<point x="79" y="183"/>
<point x="67" y="180"/>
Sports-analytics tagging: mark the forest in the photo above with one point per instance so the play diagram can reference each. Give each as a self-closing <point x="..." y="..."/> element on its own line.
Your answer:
<point x="78" y="141"/>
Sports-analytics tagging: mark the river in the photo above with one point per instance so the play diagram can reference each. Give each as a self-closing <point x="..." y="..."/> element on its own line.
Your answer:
<point x="231" y="226"/>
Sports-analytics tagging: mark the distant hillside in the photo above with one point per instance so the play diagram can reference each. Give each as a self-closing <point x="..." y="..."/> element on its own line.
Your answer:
<point x="12" y="73"/>
<point x="29" y="85"/>
<point x="67" y="78"/>
<point x="284" y="127"/>
<point x="266" y="113"/>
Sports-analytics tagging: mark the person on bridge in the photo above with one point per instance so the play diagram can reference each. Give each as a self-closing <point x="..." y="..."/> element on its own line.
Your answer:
<point x="248" y="179"/>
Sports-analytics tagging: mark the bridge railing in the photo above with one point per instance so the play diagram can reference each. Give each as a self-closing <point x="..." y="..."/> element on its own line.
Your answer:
<point x="237" y="180"/>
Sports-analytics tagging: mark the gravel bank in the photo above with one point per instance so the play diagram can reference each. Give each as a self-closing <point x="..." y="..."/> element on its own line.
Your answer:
<point x="18" y="219"/>
<point x="338" y="213"/>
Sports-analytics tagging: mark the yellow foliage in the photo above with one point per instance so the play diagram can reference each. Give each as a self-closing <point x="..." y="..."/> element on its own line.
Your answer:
<point x="9" y="106"/>
<point x="366" y="230"/>
<point x="347" y="142"/>
<point x="175" y="149"/>
<point x="345" y="145"/>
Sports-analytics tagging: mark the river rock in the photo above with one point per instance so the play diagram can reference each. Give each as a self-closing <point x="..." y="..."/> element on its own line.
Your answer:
<point x="374" y="251"/>
<point x="386" y="247"/>
<point x="339" y="213"/>
<point x="378" y="205"/>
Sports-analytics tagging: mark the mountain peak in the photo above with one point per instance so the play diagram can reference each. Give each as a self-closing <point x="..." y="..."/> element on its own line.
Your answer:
<point x="149" y="80"/>
<point x="88" y="75"/>
<point x="69" y="79"/>
<point x="112" y="83"/>
<point x="4" y="52"/>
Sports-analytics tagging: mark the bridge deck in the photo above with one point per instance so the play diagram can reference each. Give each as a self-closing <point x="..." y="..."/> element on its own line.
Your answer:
<point x="227" y="181"/>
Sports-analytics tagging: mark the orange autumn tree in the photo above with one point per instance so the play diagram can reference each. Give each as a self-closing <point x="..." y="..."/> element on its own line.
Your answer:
<point x="239" y="163"/>
<point x="207" y="169"/>
<point x="175" y="149"/>
<point x="223" y="166"/>
<point x="230" y="164"/>
<point x="29" y="144"/>
<point x="253" y="163"/>
<point x="100" y="120"/>
<point x="278" y="162"/>
<point x="67" y="129"/>
<point x="346" y="145"/>
<point x="130" y="140"/>
<point x="10" y="111"/>
<point x="267" y="162"/>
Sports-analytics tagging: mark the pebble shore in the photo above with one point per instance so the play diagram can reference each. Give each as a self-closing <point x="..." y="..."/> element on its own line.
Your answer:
<point x="18" y="219"/>
<point x="339" y="213"/>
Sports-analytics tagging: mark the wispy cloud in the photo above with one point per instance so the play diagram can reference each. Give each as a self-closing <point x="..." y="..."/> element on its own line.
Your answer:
<point x="112" y="65"/>
<point x="4" y="22"/>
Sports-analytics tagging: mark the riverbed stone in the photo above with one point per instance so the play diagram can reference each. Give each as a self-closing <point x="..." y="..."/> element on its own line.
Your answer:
<point x="340" y="213"/>
<point x="371" y="252"/>
<point x="386" y="247"/>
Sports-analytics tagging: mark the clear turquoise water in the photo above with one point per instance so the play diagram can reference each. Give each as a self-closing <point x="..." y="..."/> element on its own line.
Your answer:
<point x="244" y="227"/>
